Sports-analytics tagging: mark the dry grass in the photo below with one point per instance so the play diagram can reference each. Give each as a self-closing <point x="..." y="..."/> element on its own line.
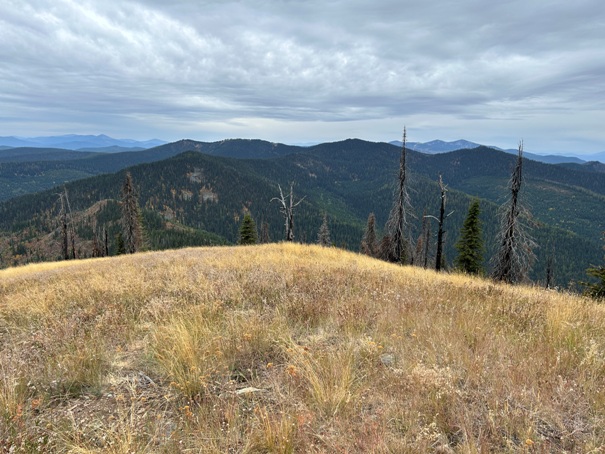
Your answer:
<point x="289" y="348"/>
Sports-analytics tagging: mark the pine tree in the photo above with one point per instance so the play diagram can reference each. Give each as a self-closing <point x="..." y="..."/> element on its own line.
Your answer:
<point x="596" y="290"/>
<point x="323" y="236"/>
<point x="515" y="254"/>
<point x="470" y="243"/>
<point x="247" y="230"/>
<point x="369" y="243"/>
<point x="132" y="230"/>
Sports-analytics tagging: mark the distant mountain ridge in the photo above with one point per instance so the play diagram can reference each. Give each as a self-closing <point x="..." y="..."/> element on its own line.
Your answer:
<point x="99" y="142"/>
<point x="440" y="146"/>
<point x="105" y="144"/>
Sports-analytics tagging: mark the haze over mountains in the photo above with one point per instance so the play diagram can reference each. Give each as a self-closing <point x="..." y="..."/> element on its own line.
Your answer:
<point x="104" y="143"/>
<point x="440" y="146"/>
<point x="100" y="142"/>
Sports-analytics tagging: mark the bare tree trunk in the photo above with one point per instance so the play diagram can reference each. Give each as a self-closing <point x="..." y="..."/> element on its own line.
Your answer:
<point x="131" y="217"/>
<point x="439" y="255"/>
<point x="64" y="232"/>
<point x="397" y="223"/>
<point x="550" y="268"/>
<point x="68" y="232"/>
<point x="426" y="229"/>
<point x="106" y="242"/>
<point x="515" y="255"/>
<point x="264" y="233"/>
<point x="72" y="230"/>
<point x="287" y="209"/>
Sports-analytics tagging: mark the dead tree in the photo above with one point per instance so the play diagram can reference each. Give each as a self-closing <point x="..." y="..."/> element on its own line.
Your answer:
<point x="264" y="233"/>
<point x="68" y="233"/>
<point x="441" y="220"/>
<point x="323" y="235"/>
<point x="515" y="254"/>
<point x="131" y="217"/>
<point x="287" y="209"/>
<point x="421" y="257"/>
<point x="100" y="244"/>
<point x="397" y="224"/>
<point x="550" y="267"/>
<point x="369" y="243"/>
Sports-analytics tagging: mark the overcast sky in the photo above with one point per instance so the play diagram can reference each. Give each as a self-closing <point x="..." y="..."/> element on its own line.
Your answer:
<point x="298" y="71"/>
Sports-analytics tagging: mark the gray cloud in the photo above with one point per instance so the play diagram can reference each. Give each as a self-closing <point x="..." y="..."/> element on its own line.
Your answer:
<point x="305" y="71"/>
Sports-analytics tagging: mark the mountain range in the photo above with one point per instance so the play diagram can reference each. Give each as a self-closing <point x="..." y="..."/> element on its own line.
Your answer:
<point x="80" y="142"/>
<point x="105" y="144"/>
<point x="197" y="192"/>
<point x="440" y="146"/>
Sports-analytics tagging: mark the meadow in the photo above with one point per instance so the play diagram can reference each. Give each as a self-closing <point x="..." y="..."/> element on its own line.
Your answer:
<point x="292" y="348"/>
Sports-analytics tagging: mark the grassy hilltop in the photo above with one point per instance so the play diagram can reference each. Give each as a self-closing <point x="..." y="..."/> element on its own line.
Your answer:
<point x="292" y="348"/>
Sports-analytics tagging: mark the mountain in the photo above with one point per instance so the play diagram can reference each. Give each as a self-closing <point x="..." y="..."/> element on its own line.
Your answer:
<point x="33" y="154"/>
<point x="550" y="159"/>
<point x="590" y="166"/>
<point x="439" y="146"/>
<point x="596" y="157"/>
<point x="76" y="142"/>
<point x="112" y="149"/>
<point x="347" y="180"/>
<point x="26" y="170"/>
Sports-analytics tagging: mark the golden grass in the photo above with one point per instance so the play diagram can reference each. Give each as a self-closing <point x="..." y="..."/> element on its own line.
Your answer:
<point x="291" y="348"/>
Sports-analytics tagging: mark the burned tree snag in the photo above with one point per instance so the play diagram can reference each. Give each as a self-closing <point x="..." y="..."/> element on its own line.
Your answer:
<point x="515" y="254"/>
<point x="287" y="209"/>
<point x="441" y="232"/>
<point x="397" y="223"/>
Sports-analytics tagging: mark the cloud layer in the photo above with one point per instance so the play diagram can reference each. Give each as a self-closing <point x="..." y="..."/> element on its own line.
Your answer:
<point x="291" y="71"/>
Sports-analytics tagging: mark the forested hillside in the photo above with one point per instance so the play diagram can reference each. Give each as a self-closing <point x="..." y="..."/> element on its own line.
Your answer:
<point x="201" y="199"/>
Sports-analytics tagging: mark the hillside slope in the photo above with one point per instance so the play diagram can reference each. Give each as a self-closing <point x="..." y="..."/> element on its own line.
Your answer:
<point x="290" y="348"/>
<point x="347" y="180"/>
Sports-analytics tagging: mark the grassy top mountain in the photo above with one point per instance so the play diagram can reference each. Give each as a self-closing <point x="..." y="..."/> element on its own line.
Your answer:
<point x="291" y="348"/>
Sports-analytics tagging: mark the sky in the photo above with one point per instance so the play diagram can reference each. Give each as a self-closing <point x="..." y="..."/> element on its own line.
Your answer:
<point x="307" y="71"/>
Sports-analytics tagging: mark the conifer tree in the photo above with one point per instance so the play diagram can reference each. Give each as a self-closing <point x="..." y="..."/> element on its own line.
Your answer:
<point x="470" y="243"/>
<point x="323" y="235"/>
<point x="132" y="230"/>
<point x="515" y="254"/>
<point x="247" y="230"/>
<point x="369" y="243"/>
<point x="597" y="289"/>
